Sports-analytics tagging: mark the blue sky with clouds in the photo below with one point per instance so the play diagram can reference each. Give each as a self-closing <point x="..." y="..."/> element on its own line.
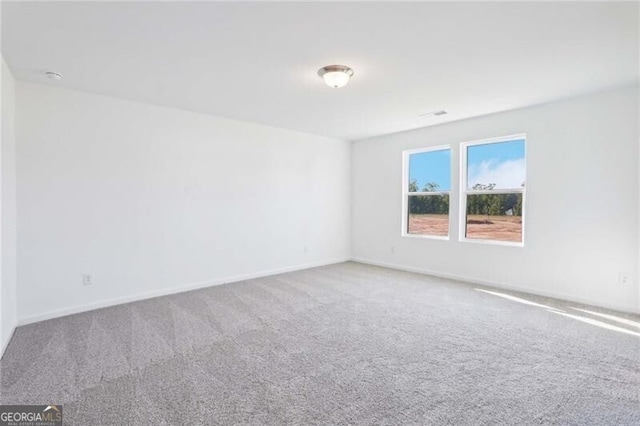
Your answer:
<point x="500" y="163"/>
<point x="431" y="166"/>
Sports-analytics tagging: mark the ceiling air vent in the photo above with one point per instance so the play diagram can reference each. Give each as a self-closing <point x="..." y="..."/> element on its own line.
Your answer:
<point x="433" y="113"/>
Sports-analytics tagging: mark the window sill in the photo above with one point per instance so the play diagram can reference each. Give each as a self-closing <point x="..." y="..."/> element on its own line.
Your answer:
<point x="491" y="242"/>
<point x="426" y="237"/>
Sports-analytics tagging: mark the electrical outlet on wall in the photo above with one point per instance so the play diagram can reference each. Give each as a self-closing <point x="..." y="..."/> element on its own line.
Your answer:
<point x="623" y="278"/>
<point x="87" y="279"/>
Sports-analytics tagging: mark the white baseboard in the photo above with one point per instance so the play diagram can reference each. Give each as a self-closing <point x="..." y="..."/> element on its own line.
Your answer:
<point x="179" y="289"/>
<point x="505" y="286"/>
<point x="194" y="286"/>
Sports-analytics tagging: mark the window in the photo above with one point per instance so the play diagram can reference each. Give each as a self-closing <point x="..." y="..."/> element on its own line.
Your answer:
<point x="427" y="186"/>
<point x="493" y="175"/>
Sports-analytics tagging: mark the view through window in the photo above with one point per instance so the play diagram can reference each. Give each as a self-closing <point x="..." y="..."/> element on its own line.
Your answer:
<point x="428" y="186"/>
<point x="493" y="189"/>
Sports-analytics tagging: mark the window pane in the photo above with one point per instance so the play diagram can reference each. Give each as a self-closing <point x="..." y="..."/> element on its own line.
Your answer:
<point x="428" y="215"/>
<point x="498" y="165"/>
<point x="494" y="217"/>
<point x="430" y="171"/>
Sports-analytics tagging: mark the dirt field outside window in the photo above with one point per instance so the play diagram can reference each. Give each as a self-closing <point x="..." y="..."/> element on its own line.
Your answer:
<point x="481" y="227"/>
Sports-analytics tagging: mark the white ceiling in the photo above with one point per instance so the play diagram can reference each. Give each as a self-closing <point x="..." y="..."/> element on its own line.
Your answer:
<point x="257" y="61"/>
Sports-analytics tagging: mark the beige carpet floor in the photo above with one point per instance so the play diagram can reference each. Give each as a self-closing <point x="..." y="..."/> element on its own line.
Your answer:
<point x="341" y="344"/>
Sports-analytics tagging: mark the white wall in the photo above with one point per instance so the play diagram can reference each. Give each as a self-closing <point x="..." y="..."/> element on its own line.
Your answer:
<point x="8" y="304"/>
<point x="581" y="211"/>
<point x="150" y="200"/>
<point x="637" y="121"/>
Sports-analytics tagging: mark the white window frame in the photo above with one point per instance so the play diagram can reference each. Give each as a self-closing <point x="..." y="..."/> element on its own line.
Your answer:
<point x="464" y="191"/>
<point x="405" y="192"/>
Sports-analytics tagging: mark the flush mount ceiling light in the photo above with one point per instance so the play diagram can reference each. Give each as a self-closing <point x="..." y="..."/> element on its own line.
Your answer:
<point x="335" y="75"/>
<point x="53" y="75"/>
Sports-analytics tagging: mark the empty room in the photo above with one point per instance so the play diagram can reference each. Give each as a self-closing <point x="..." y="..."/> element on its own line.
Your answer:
<point x="320" y="213"/>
